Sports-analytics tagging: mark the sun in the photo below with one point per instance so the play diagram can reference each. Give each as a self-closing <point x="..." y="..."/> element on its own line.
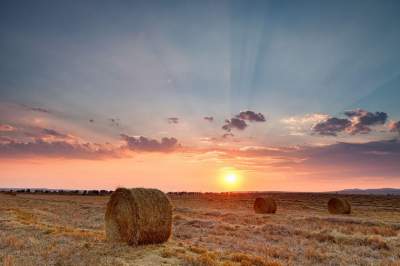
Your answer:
<point x="230" y="178"/>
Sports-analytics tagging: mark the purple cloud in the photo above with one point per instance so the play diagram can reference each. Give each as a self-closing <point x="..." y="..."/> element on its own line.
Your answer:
<point x="209" y="118"/>
<point x="332" y="126"/>
<point x="59" y="149"/>
<point x="54" y="133"/>
<point x="36" y="109"/>
<point x="359" y="121"/>
<point x="376" y="158"/>
<point x="234" y="123"/>
<point x="394" y="127"/>
<point x="145" y="144"/>
<point x="362" y="120"/>
<point x="251" y="116"/>
<point x="227" y="135"/>
<point x="6" y="128"/>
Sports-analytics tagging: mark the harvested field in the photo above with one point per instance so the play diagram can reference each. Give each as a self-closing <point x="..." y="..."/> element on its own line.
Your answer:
<point x="208" y="229"/>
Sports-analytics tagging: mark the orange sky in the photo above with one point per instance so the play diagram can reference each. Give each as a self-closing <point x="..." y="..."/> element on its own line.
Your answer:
<point x="169" y="172"/>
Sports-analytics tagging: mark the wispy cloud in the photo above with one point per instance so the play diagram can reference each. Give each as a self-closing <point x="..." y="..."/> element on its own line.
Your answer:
<point x="209" y="118"/>
<point x="36" y="109"/>
<point x="60" y="149"/>
<point x="302" y="124"/>
<point x="6" y="128"/>
<point x="173" y="120"/>
<point x="394" y="126"/>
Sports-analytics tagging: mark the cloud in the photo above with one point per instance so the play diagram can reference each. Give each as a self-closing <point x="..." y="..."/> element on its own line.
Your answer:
<point x="36" y="109"/>
<point x="376" y="158"/>
<point x="234" y="123"/>
<point x="394" y="126"/>
<point x="362" y="120"/>
<point x="24" y="134"/>
<point x="6" y="128"/>
<point x="151" y="145"/>
<point x="60" y="149"/>
<point x="55" y="133"/>
<point x="209" y="118"/>
<point x="115" y="122"/>
<point x="342" y="159"/>
<point x="332" y="126"/>
<point x="239" y="121"/>
<point x="227" y="135"/>
<point x="251" y="116"/>
<point x="302" y="124"/>
<point x="173" y="120"/>
<point x="359" y="121"/>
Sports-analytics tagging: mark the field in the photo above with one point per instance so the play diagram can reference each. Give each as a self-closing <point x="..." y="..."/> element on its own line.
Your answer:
<point x="208" y="229"/>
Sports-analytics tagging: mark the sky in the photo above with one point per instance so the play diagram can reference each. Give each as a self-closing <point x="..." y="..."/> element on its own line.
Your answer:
<point x="177" y="95"/>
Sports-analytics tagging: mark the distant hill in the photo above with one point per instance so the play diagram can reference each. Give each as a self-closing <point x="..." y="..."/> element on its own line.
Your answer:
<point x="375" y="191"/>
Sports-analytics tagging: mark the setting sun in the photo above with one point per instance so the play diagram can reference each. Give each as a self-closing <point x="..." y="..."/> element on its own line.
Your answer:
<point x="230" y="178"/>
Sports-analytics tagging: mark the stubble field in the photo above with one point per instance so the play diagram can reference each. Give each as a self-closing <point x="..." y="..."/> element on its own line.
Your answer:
<point x="208" y="229"/>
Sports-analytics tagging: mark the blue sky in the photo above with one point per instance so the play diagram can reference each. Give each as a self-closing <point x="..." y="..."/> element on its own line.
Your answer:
<point x="105" y="68"/>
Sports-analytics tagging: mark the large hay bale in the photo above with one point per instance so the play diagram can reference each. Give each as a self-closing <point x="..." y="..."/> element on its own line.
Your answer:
<point x="339" y="206"/>
<point x="138" y="216"/>
<point x="265" y="205"/>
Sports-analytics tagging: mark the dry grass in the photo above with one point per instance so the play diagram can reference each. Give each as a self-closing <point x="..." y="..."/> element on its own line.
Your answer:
<point x="220" y="230"/>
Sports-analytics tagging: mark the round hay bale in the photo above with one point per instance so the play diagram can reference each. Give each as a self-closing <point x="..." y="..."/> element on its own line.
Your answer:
<point x="138" y="216"/>
<point x="339" y="206"/>
<point x="265" y="205"/>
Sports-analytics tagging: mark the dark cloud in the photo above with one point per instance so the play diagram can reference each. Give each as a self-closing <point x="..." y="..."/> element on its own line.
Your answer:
<point x="239" y="121"/>
<point x="227" y="135"/>
<point x="145" y="144"/>
<point x="55" y="133"/>
<point x="209" y="118"/>
<point x="251" y="116"/>
<point x="394" y="127"/>
<point x="359" y="121"/>
<point x="60" y="149"/>
<point x="234" y="123"/>
<point x="332" y="126"/>
<point x="173" y="120"/>
<point x="36" y="109"/>
<point x="362" y="120"/>
<point x="115" y="122"/>
<point x="26" y="134"/>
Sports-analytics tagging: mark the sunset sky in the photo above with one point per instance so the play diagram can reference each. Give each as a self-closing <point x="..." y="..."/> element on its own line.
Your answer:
<point x="178" y="95"/>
